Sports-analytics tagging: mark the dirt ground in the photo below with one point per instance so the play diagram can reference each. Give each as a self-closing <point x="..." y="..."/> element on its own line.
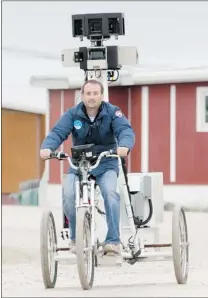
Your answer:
<point x="21" y="271"/>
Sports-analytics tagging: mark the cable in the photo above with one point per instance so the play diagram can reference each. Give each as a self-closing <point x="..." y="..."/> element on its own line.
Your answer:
<point x="99" y="75"/>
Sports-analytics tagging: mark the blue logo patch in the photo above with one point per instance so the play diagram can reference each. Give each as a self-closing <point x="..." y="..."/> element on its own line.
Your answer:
<point x="77" y="124"/>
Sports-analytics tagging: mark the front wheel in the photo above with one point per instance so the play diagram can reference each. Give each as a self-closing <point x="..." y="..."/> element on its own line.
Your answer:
<point x="84" y="249"/>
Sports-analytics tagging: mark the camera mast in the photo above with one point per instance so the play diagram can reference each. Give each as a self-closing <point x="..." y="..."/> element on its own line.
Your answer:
<point x="98" y="61"/>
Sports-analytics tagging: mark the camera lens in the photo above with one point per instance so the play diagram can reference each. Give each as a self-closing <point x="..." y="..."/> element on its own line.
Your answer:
<point x="113" y="25"/>
<point x="97" y="54"/>
<point x="95" y="26"/>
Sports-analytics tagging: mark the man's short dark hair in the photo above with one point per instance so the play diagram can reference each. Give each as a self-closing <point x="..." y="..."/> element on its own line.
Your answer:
<point x="93" y="82"/>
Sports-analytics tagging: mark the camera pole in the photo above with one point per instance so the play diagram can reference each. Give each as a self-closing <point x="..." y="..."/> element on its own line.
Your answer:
<point x="99" y="73"/>
<point x="103" y="79"/>
<point x="99" y="62"/>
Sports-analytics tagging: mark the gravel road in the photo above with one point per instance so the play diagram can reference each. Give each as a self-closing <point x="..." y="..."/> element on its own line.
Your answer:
<point x="21" y="272"/>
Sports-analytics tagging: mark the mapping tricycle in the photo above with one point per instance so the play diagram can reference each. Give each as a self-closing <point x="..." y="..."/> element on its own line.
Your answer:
<point x="141" y="209"/>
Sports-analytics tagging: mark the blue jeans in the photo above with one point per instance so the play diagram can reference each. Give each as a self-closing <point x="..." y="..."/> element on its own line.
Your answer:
<point x="107" y="183"/>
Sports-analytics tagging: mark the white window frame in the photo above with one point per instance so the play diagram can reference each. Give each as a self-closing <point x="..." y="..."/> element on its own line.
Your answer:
<point x="201" y="124"/>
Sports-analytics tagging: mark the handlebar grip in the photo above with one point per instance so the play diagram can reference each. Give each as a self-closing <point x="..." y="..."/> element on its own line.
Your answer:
<point x="113" y="151"/>
<point x="53" y="154"/>
<point x="58" y="155"/>
<point x="62" y="155"/>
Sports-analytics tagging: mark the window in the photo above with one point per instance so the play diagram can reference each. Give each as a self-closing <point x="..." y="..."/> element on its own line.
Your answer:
<point x="202" y="109"/>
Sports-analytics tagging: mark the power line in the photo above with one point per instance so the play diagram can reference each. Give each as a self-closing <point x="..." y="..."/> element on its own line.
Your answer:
<point x="31" y="53"/>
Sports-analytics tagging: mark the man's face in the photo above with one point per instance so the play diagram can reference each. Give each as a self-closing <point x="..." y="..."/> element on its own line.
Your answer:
<point x="92" y="96"/>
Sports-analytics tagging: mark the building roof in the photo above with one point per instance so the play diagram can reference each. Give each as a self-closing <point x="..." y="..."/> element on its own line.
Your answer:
<point x="129" y="76"/>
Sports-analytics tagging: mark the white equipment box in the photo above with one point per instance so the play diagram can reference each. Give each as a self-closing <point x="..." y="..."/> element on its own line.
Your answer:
<point x="145" y="186"/>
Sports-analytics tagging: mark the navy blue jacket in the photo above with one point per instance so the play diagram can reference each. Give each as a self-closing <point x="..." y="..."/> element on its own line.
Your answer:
<point x="109" y="130"/>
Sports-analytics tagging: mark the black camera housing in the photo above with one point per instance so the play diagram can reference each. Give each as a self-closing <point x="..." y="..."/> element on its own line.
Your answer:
<point x="98" y="25"/>
<point x="85" y="54"/>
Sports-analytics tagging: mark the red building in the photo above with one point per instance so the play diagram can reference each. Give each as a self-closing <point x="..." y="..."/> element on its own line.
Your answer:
<point x="169" y="114"/>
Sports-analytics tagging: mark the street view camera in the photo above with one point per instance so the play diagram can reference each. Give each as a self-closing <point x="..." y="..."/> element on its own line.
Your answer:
<point x="98" y="59"/>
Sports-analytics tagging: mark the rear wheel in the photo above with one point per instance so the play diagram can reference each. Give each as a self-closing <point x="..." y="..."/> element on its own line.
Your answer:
<point x="180" y="245"/>
<point x="84" y="250"/>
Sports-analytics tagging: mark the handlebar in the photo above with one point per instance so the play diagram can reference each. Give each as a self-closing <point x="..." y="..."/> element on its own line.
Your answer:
<point x="62" y="155"/>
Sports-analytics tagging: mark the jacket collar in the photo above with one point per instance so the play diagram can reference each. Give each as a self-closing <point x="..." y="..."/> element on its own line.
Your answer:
<point x="83" y="113"/>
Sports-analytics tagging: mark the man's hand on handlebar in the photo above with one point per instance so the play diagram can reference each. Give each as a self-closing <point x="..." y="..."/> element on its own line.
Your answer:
<point x="48" y="154"/>
<point x="122" y="151"/>
<point x="45" y="153"/>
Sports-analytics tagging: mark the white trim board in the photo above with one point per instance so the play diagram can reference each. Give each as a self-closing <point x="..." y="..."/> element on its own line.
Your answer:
<point x="145" y="130"/>
<point x="172" y="133"/>
<point x="201" y="124"/>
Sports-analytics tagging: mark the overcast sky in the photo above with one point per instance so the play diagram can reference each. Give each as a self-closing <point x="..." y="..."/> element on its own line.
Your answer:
<point x="164" y="32"/>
